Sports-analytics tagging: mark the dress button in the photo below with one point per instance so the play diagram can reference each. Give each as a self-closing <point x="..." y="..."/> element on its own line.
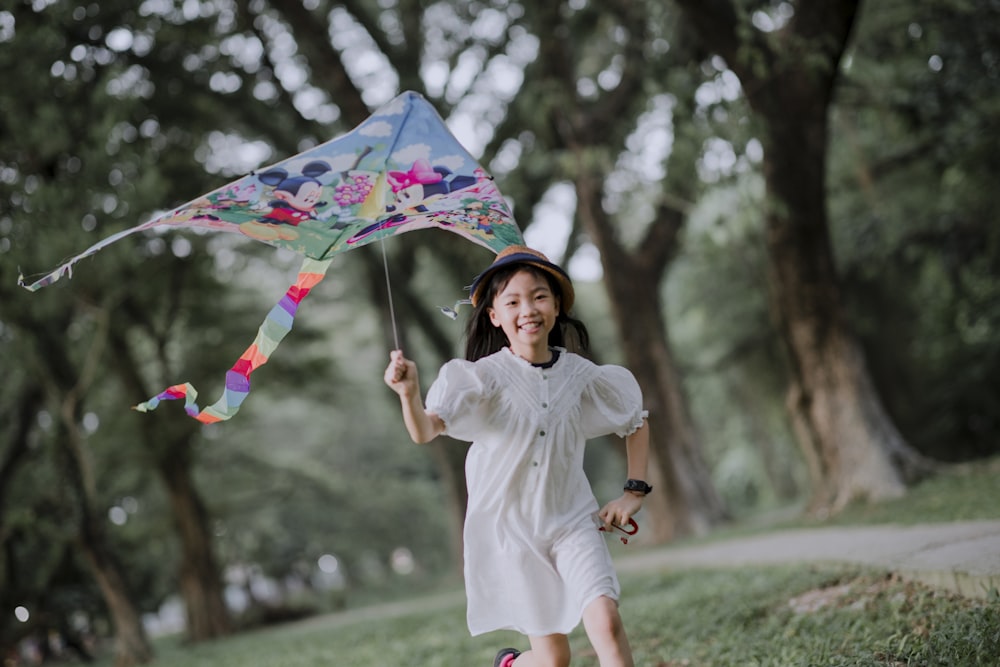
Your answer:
<point x="534" y="463"/>
<point x="542" y="433"/>
<point x="545" y="405"/>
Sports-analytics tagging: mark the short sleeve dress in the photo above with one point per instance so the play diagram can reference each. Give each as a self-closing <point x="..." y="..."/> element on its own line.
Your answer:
<point x="534" y="558"/>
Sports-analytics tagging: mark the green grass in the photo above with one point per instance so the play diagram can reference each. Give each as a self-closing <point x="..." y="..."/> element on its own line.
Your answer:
<point x="805" y="616"/>
<point x="751" y="617"/>
<point x="720" y="618"/>
<point x="958" y="493"/>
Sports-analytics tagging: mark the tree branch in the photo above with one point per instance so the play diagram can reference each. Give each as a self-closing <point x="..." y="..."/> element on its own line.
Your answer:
<point x="717" y="23"/>
<point x="325" y="62"/>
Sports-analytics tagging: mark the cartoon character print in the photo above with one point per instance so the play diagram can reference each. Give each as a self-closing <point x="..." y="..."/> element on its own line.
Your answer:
<point x="295" y="200"/>
<point x="295" y="197"/>
<point x="478" y="216"/>
<point x="412" y="191"/>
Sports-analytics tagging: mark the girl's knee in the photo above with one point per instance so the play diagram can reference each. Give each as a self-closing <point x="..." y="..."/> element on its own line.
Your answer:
<point x="601" y="619"/>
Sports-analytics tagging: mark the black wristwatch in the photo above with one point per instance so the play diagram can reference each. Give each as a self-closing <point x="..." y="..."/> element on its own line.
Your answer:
<point x="638" y="486"/>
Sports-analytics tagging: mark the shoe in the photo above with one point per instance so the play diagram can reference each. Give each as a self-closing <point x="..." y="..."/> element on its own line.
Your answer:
<point x="505" y="657"/>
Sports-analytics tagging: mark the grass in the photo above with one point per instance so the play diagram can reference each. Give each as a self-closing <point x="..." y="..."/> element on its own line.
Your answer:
<point x="805" y="616"/>
<point x="721" y="618"/>
<point x="751" y="617"/>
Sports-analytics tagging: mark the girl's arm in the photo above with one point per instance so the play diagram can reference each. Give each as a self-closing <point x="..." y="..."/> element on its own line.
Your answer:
<point x="620" y="510"/>
<point x="401" y="376"/>
<point x="637" y="451"/>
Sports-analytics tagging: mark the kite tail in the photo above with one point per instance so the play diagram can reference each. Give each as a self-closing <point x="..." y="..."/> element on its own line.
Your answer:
<point x="277" y="324"/>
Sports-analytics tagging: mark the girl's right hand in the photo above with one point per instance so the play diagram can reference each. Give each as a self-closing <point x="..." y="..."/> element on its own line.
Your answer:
<point x="401" y="374"/>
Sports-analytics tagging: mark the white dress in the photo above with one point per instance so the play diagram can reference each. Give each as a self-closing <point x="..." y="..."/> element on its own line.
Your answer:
<point x="534" y="558"/>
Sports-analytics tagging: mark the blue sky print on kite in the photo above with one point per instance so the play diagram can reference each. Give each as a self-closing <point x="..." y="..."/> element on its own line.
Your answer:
<point x="398" y="171"/>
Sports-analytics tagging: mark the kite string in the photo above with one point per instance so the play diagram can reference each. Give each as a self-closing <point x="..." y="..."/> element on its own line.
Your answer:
<point x="388" y="290"/>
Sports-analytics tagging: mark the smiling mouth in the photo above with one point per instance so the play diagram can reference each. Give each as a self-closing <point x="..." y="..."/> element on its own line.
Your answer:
<point x="530" y="327"/>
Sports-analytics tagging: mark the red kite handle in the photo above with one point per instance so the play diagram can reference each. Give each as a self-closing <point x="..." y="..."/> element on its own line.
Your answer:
<point x="629" y="530"/>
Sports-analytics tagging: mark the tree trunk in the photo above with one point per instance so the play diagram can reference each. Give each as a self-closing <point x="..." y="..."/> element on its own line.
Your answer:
<point x="132" y="646"/>
<point x="852" y="448"/>
<point x="20" y="421"/>
<point x="170" y="441"/>
<point x="65" y="382"/>
<point x="200" y="583"/>
<point x="685" y="500"/>
<point x="580" y="134"/>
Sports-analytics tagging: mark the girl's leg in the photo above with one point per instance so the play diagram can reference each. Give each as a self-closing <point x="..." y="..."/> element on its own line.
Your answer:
<point x="547" y="651"/>
<point x="606" y="632"/>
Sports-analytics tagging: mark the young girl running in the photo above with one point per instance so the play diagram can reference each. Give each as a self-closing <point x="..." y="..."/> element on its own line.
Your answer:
<point x="534" y="559"/>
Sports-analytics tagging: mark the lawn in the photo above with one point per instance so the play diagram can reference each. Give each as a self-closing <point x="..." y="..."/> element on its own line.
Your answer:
<point x="723" y="618"/>
<point x="760" y="616"/>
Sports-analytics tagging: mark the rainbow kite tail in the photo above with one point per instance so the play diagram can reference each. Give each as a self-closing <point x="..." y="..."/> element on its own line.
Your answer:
<point x="276" y="326"/>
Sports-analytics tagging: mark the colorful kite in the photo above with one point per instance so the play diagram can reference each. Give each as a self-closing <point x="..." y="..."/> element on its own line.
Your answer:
<point x="398" y="171"/>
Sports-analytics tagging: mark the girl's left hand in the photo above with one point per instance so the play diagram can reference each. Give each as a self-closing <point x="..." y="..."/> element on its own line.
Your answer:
<point x="619" y="511"/>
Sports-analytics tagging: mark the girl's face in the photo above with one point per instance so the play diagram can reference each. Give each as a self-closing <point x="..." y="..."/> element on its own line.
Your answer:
<point x="526" y="310"/>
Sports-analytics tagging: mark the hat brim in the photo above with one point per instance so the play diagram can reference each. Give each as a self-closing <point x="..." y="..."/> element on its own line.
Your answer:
<point x="481" y="281"/>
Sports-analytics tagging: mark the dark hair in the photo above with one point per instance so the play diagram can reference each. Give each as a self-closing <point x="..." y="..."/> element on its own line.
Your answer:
<point x="483" y="339"/>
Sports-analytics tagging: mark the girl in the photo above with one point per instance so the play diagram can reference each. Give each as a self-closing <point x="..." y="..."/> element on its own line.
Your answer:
<point x="534" y="559"/>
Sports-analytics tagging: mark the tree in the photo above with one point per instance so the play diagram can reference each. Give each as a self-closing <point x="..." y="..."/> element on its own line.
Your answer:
<point x="577" y="137"/>
<point x="787" y="57"/>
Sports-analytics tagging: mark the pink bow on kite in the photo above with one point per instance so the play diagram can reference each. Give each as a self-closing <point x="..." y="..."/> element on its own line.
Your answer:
<point x="419" y="174"/>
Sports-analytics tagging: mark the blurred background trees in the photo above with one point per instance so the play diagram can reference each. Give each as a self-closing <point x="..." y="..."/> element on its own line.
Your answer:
<point x="643" y="145"/>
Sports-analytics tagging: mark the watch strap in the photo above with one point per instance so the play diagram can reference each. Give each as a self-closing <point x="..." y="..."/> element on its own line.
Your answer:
<point x="638" y="486"/>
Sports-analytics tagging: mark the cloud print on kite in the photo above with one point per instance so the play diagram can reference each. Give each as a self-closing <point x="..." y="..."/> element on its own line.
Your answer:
<point x="398" y="171"/>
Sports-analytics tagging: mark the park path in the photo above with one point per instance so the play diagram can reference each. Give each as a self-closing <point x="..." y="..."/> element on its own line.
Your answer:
<point x="963" y="557"/>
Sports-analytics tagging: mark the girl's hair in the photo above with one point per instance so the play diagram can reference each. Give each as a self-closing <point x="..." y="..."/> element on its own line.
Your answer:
<point x="483" y="339"/>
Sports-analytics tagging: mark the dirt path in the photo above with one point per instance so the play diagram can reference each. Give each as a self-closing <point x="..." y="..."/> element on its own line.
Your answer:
<point x="963" y="557"/>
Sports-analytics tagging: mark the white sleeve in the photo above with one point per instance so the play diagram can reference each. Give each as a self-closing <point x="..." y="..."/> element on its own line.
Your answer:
<point x="456" y="397"/>
<point x="612" y="403"/>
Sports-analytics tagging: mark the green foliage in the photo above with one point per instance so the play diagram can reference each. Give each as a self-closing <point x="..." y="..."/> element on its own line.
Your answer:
<point x="734" y="366"/>
<point x="913" y="200"/>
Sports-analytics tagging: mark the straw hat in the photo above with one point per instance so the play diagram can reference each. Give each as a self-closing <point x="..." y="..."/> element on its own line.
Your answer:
<point x="519" y="254"/>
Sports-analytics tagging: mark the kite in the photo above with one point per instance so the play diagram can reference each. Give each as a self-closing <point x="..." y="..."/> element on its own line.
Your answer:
<point x="398" y="171"/>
